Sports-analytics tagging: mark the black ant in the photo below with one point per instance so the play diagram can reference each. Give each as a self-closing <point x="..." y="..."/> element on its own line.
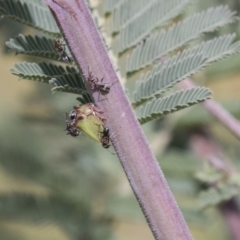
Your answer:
<point x="73" y="131"/>
<point x="60" y="47"/>
<point x="71" y="116"/>
<point x="105" y="138"/>
<point x="97" y="84"/>
<point x="71" y="124"/>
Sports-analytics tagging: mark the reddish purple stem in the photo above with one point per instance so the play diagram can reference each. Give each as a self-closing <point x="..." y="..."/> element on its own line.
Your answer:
<point x="217" y="111"/>
<point x="141" y="167"/>
<point x="231" y="214"/>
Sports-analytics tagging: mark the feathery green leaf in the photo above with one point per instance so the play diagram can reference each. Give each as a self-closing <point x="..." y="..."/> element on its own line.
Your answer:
<point x="33" y="13"/>
<point x="162" y="43"/>
<point x="36" y="46"/>
<point x="84" y="98"/>
<point x="154" y="16"/>
<point x="127" y="11"/>
<point x="71" y="82"/>
<point x="183" y="65"/>
<point x="165" y="76"/>
<point x="158" y="107"/>
<point x="214" y="196"/>
<point x="111" y="5"/>
<point x="62" y="79"/>
<point x="39" y="71"/>
<point x="219" y="48"/>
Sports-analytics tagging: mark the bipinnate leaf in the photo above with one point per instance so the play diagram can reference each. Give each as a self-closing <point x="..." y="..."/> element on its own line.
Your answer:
<point x="126" y="11"/>
<point x="84" y="98"/>
<point x="183" y="65"/>
<point x="62" y="79"/>
<point x="159" y="107"/>
<point x="35" y="46"/>
<point x="39" y="71"/>
<point x="166" y="75"/>
<point x="71" y="82"/>
<point x="219" y="48"/>
<point x="111" y="5"/>
<point x="33" y="13"/>
<point x="161" y="43"/>
<point x="156" y="15"/>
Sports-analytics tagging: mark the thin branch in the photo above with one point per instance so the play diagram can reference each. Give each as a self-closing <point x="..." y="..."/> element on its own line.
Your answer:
<point x="231" y="214"/>
<point x="217" y="111"/>
<point x="206" y="148"/>
<point x="139" y="164"/>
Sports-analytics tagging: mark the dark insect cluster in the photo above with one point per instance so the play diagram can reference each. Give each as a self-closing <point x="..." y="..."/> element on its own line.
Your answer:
<point x="60" y="47"/>
<point x="71" y="124"/>
<point x="88" y="118"/>
<point x="73" y="127"/>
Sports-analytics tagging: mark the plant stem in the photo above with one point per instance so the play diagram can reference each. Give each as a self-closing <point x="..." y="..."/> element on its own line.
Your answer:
<point x="231" y="214"/>
<point x="141" y="167"/>
<point x="204" y="146"/>
<point x="231" y="123"/>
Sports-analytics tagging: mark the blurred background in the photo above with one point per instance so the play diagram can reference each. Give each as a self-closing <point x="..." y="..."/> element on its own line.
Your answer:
<point x="54" y="186"/>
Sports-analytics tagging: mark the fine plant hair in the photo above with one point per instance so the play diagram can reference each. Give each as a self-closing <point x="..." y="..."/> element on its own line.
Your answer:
<point x="153" y="43"/>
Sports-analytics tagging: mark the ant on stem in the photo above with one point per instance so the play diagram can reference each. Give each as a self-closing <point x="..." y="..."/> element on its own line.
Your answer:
<point x="105" y="138"/>
<point x="60" y="47"/>
<point x="97" y="84"/>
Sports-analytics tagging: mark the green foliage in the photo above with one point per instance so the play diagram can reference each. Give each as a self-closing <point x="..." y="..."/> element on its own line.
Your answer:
<point x="62" y="79"/>
<point x="37" y="72"/>
<point x="159" y="107"/>
<point x="166" y="75"/>
<point x="223" y="186"/>
<point x="126" y="11"/>
<point x="84" y="98"/>
<point x="36" y="46"/>
<point x="33" y="13"/>
<point x="132" y="27"/>
<point x="110" y="5"/>
<point x="71" y="82"/>
<point x="157" y="13"/>
<point x="156" y="49"/>
<point x="183" y="65"/>
<point x="161" y="43"/>
<point x="214" y="196"/>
